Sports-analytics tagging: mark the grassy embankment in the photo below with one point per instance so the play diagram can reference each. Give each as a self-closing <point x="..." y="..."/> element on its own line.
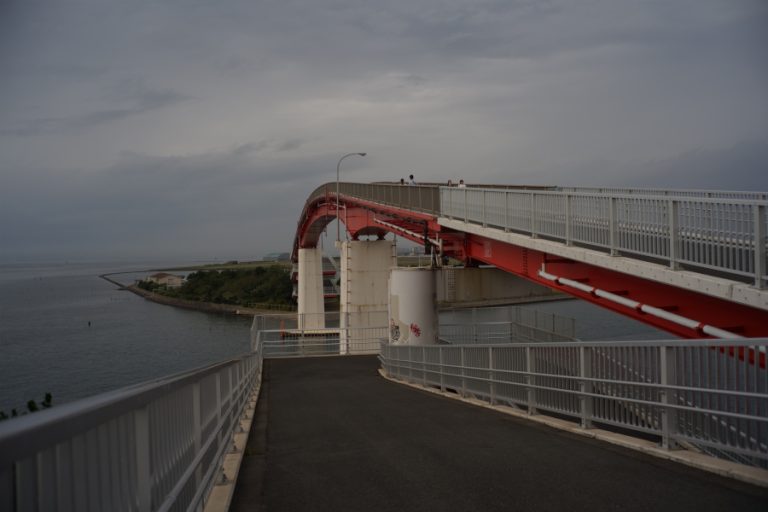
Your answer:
<point x="241" y="288"/>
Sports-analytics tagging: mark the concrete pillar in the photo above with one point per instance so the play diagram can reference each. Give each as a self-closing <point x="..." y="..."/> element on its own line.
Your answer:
<point x="413" y="316"/>
<point x="311" y="302"/>
<point x="363" y="299"/>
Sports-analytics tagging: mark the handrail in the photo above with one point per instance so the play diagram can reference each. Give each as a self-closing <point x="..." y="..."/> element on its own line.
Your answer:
<point x="687" y="392"/>
<point x="158" y="443"/>
<point x="712" y="235"/>
<point x="713" y="232"/>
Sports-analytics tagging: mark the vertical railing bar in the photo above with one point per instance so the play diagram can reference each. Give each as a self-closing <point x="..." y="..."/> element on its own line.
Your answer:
<point x="506" y="211"/>
<point x="442" y="369"/>
<point x="484" y="216"/>
<point x="466" y="206"/>
<point x="568" y="228"/>
<point x="463" y="379"/>
<point x="673" y="234"/>
<point x="668" y="415"/>
<point x="759" y="243"/>
<point x="612" y="227"/>
<point x="529" y="381"/>
<point x="143" y="483"/>
<point x="585" y="372"/>
<point x="491" y="379"/>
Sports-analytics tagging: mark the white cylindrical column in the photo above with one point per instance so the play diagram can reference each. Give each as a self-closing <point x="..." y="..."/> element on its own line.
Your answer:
<point x="412" y="306"/>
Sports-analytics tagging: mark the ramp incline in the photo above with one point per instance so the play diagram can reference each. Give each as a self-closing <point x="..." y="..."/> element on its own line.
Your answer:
<point x="331" y="434"/>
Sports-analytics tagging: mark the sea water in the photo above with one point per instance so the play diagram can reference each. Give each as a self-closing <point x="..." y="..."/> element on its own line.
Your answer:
<point x="66" y="331"/>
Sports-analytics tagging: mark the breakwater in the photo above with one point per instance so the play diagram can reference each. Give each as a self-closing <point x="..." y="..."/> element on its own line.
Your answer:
<point x="207" y="307"/>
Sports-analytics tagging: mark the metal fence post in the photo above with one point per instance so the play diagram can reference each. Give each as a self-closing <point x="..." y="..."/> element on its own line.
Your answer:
<point x="506" y="211"/>
<point x="491" y="387"/>
<point x="485" y="220"/>
<point x="143" y="476"/>
<point x="424" y="365"/>
<point x="760" y="255"/>
<point x="568" y="230"/>
<point x="612" y="227"/>
<point x="410" y="363"/>
<point x="197" y="429"/>
<point x="585" y="386"/>
<point x="672" y="210"/>
<point x="463" y="380"/>
<point x="529" y="380"/>
<point x="533" y="215"/>
<point x="668" y="414"/>
<point x="442" y="372"/>
<point x="466" y="215"/>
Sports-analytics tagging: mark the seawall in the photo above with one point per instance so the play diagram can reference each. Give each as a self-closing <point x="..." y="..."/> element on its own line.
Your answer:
<point x="207" y="307"/>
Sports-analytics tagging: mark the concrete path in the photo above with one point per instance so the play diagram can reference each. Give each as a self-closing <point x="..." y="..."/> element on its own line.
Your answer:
<point x="331" y="434"/>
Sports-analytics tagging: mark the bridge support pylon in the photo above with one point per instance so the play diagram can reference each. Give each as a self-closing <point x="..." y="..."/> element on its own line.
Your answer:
<point x="363" y="299"/>
<point x="310" y="289"/>
<point x="413" y="316"/>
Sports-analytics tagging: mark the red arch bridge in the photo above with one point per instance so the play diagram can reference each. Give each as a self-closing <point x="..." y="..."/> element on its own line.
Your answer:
<point x="690" y="262"/>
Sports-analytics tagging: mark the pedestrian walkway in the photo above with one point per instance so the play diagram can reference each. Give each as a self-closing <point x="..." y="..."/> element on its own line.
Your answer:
<point x="331" y="434"/>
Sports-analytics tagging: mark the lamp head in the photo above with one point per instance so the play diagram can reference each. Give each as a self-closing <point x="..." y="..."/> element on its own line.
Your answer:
<point x="362" y="154"/>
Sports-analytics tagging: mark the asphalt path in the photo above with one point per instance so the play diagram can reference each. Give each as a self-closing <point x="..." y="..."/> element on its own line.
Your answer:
<point x="332" y="435"/>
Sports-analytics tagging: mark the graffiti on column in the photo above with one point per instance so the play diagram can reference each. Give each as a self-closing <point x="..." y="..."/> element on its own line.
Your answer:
<point x="394" y="330"/>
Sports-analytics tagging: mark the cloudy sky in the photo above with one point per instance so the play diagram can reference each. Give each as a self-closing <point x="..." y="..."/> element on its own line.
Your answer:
<point x="195" y="129"/>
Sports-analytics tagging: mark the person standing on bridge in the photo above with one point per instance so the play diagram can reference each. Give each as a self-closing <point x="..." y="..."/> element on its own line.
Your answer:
<point x="462" y="184"/>
<point x="411" y="180"/>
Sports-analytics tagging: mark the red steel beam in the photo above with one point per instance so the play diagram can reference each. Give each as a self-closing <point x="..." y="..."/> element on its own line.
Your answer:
<point x="730" y="316"/>
<point x="361" y="219"/>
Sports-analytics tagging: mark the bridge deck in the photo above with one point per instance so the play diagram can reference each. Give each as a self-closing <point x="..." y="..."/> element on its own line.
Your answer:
<point x="331" y="434"/>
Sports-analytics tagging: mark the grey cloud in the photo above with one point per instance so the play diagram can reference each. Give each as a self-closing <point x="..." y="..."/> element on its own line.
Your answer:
<point x="146" y="198"/>
<point x="267" y="145"/>
<point x="141" y="99"/>
<point x="742" y="166"/>
<point x="290" y="145"/>
<point x="597" y="92"/>
<point x="250" y="147"/>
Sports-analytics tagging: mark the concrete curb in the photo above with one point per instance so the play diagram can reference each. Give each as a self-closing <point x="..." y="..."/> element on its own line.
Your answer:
<point x="221" y="494"/>
<point x="750" y="475"/>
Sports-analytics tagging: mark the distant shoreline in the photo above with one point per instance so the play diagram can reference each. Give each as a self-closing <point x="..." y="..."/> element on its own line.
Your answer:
<point x="206" y="307"/>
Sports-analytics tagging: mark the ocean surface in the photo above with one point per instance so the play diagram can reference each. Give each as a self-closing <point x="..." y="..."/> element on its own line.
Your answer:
<point x="66" y="331"/>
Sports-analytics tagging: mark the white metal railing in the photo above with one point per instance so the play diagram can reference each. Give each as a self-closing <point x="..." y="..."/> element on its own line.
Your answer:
<point x="712" y="231"/>
<point x="539" y="325"/>
<point x="151" y="447"/>
<point x="423" y="198"/>
<point x="720" y="235"/>
<point x="711" y="395"/>
<point x="497" y="332"/>
<point x="282" y="343"/>
<point x="711" y="194"/>
<point x="334" y="333"/>
<point x="330" y="319"/>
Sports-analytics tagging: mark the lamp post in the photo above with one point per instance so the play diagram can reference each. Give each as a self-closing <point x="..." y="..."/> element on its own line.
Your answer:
<point x="338" y="219"/>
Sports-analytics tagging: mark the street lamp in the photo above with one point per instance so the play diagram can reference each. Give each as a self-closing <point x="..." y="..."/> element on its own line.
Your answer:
<point x="338" y="218"/>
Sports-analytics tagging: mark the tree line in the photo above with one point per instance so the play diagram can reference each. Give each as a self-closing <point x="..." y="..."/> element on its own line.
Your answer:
<point x="240" y="287"/>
